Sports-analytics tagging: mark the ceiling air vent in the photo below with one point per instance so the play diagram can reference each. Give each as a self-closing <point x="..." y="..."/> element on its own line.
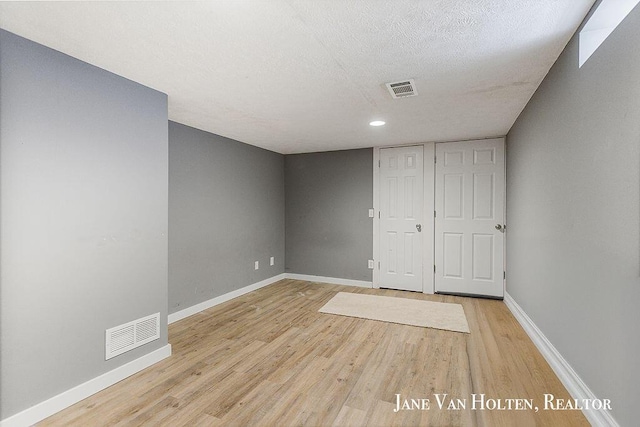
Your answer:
<point x="402" y="89"/>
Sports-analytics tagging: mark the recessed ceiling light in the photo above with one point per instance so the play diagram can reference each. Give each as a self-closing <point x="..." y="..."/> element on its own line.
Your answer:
<point x="377" y="123"/>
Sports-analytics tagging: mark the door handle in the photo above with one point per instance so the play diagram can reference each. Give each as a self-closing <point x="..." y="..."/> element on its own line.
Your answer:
<point x="419" y="227"/>
<point x="501" y="227"/>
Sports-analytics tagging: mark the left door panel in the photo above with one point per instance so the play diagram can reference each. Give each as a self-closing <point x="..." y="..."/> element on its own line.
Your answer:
<point x="401" y="218"/>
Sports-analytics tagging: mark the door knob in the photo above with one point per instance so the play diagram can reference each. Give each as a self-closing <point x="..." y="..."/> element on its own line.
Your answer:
<point x="419" y="227"/>
<point x="498" y="227"/>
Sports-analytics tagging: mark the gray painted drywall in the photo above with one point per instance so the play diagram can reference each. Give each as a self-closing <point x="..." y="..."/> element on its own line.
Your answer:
<point x="328" y="229"/>
<point x="83" y="212"/>
<point x="226" y="211"/>
<point x="573" y="186"/>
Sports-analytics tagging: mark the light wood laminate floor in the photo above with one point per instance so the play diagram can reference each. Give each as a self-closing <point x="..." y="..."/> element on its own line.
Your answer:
<point x="268" y="358"/>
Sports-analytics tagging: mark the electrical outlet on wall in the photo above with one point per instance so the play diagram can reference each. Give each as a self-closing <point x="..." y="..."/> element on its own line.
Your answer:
<point x="371" y="264"/>
<point x="371" y="213"/>
<point x="272" y="261"/>
<point x="257" y="265"/>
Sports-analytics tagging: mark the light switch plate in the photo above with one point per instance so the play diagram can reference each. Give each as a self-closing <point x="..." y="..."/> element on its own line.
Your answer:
<point x="371" y="213"/>
<point x="371" y="264"/>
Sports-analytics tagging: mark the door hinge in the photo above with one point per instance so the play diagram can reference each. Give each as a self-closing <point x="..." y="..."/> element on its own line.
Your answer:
<point x="379" y="215"/>
<point x="504" y="275"/>
<point x="434" y="214"/>
<point x="434" y="268"/>
<point x="378" y="163"/>
<point x="378" y="265"/>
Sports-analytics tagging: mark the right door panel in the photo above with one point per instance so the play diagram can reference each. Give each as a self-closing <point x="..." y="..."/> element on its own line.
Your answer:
<point x="469" y="223"/>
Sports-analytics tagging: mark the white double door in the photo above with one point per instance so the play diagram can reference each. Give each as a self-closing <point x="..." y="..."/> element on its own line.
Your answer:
<point x="468" y="220"/>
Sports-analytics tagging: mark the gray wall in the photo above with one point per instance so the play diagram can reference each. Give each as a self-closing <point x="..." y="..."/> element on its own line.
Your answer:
<point x="328" y="229"/>
<point x="226" y="210"/>
<point x="83" y="212"/>
<point x="573" y="185"/>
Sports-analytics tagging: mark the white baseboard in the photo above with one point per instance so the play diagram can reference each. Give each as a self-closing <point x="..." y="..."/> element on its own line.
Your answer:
<point x="65" y="399"/>
<point x="189" y="311"/>
<point x="331" y="280"/>
<point x="569" y="378"/>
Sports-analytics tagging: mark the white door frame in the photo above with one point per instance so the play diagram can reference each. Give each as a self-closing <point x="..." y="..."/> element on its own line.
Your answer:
<point x="428" y="226"/>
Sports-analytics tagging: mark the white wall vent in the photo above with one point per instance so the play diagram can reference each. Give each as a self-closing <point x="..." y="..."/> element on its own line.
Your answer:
<point x="131" y="335"/>
<point x="402" y="89"/>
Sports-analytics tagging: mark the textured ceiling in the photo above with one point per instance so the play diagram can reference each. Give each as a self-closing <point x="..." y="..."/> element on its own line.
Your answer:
<point x="308" y="75"/>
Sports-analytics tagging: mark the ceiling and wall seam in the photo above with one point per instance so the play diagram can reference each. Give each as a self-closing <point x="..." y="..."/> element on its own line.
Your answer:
<point x="295" y="76"/>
